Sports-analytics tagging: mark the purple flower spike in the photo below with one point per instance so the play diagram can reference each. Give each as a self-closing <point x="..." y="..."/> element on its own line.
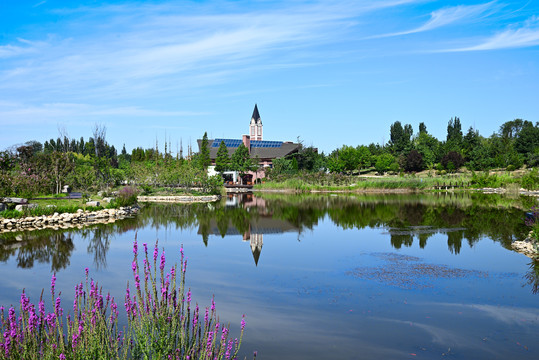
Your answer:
<point x="243" y="322"/>
<point x="135" y="248"/>
<point x="162" y="265"/>
<point x="53" y="283"/>
<point x="155" y="252"/>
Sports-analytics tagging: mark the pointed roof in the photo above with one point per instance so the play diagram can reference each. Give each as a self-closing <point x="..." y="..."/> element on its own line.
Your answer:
<point x="256" y="115"/>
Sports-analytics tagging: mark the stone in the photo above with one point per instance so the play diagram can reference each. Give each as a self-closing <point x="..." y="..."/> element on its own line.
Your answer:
<point x="3" y="207"/>
<point x="92" y="203"/>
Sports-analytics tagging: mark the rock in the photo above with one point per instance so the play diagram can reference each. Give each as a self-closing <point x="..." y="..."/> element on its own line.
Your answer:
<point x="92" y="203"/>
<point x="108" y="199"/>
<point x="3" y="207"/>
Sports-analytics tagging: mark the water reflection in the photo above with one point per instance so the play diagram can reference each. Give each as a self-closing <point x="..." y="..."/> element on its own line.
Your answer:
<point x="462" y="218"/>
<point x="532" y="276"/>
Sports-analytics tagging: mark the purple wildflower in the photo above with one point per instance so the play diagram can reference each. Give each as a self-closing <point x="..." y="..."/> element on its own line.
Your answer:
<point x="62" y="356"/>
<point x="162" y="265"/>
<point x="135" y="248"/>
<point x="57" y="308"/>
<point x="243" y="322"/>
<point x="53" y="283"/>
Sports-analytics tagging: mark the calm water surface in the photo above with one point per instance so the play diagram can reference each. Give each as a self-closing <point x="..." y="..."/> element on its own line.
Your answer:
<point x="322" y="277"/>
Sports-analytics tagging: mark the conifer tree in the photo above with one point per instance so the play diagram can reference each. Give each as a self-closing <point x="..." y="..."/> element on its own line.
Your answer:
<point x="222" y="161"/>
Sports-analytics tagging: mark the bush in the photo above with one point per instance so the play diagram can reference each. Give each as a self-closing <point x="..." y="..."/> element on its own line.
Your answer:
<point x="530" y="180"/>
<point x="452" y="161"/>
<point x="414" y="161"/>
<point x="127" y="196"/>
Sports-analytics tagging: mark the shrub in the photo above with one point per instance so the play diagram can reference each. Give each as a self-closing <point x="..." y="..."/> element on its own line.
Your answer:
<point x="127" y="196"/>
<point x="161" y="323"/>
<point x="452" y="161"/>
<point x="530" y="180"/>
<point x="414" y="161"/>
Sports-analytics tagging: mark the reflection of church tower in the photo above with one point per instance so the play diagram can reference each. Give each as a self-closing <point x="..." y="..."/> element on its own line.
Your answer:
<point x="255" y="127"/>
<point x="256" y="241"/>
<point x="256" y="246"/>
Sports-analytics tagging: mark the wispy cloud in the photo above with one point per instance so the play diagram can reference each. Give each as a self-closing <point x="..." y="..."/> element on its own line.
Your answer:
<point x="525" y="35"/>
<point x="448" y="16"/>
<point x="19" y="113"/>
<point x="147" y="51"/>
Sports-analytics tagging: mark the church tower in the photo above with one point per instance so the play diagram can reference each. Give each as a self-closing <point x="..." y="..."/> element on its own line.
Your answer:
<point x="255" y="127"/>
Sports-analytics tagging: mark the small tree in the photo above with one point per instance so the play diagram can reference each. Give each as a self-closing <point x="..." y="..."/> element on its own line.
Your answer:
<point x="205" y="160"/>
<point x="414" y="161"/>
<point x="452" y="161"/>
<point x="383" y="163"/>
<point x="241" y="160"/>
<point x="222" y="161"/>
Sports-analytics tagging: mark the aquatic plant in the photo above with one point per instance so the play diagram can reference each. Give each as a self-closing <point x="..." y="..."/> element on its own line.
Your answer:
<point x="162" y="322"/>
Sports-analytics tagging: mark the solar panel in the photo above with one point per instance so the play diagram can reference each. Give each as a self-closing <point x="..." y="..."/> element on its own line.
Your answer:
<point x="266" y="144"/>
<point x="230" y="143"/>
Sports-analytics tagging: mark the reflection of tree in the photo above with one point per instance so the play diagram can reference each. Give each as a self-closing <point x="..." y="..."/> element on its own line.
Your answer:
<point x="99" y="245"/>
<point x="417" y="216"/>
<point x="54" y="248"/>
<point x="454" y="241"/>
<point x="532" y="276"/>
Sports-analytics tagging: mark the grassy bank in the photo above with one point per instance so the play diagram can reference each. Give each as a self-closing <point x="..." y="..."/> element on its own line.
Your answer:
<point x="312" y="182"/>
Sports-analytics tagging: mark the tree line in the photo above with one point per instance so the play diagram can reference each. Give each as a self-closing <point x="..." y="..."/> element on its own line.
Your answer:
<point x="93" y="164"/>
<point x="514" y="145"/>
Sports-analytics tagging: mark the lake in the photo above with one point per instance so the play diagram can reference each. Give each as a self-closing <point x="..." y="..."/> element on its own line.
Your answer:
<point x="321" y="277"/>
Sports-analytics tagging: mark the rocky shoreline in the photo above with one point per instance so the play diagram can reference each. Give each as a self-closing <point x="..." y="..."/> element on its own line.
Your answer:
<point x="67" y="220"/>
<point x="528" y="247"/>
<point x="179" y="199"/>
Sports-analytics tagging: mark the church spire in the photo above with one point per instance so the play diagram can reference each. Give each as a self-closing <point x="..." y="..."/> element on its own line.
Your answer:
<point x="255" y="127"/>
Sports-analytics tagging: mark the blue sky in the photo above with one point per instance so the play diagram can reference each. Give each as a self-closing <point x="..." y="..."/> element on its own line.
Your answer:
<point x="330" y="72"/>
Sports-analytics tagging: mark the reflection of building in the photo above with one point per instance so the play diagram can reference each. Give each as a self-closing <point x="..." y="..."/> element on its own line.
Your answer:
<point x="253" y="231"/>
<point x="262" y="150"/>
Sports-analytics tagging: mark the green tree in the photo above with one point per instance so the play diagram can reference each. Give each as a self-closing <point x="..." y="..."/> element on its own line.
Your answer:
<point x="222" y="161"/>
<point x="364" y="157"/>
<point x="204" y="158"/>
<point x="384" y="162"/>
<point x="400" y="137"/>
<point x="454" y="135"/>
<point x="241" y="160"/>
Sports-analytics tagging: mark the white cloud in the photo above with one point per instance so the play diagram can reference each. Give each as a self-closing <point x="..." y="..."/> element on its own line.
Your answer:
<point x="524" y="36"/>
<point x="448" y="16"/>
<point x="132" y="51"/>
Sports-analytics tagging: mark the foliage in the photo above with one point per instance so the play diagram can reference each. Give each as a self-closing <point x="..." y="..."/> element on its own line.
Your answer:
<point x="127" y="196"/>
<point x="204" y="158"/>
<point x="530" y="180"/>
<point x="222" y="161"/>
<point x="241" y="160"/>
<point x="161" y="321"/>
<point x="533" y="222"/>
<point x="384" y="163"/>
<point x="414" y="161"/>
<point x="452" y="161"/>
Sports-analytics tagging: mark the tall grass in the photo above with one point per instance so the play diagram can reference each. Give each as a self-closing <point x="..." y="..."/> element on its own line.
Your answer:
<point x="162" y="322"/>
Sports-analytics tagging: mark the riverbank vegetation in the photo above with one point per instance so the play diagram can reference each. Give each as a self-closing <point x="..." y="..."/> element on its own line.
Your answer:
<point x="507" y="158"/>
<point x="162" y="322"/>
<point x="419" y="160"/>
<point x="93" y="165"/>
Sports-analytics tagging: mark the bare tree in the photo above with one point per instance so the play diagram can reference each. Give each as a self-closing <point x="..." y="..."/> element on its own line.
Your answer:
<point x="99" y="132"/>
